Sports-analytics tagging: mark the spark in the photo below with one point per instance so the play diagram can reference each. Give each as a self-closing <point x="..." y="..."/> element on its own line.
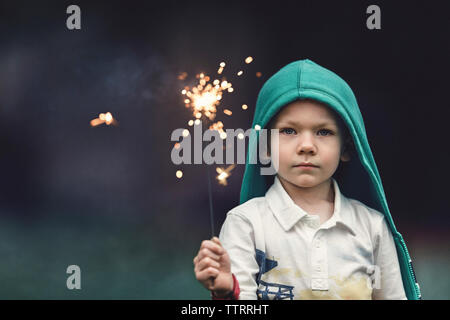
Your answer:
<point x="219" y="127"/>
<point x="222" y="65"/>
<point x="224" y="173"/>
<point x="204" y="97"/>
<point x="182" y="76"/>
<point x="106" y="118"/>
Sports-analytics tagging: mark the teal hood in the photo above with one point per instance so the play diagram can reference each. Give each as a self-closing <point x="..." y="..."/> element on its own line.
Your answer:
<point x="306" y="79"/>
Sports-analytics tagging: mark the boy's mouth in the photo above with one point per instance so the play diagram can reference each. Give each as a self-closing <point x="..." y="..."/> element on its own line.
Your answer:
<point x="306" y="165"/>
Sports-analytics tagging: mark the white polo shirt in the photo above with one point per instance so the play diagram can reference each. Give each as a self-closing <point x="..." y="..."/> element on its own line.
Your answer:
<point x="279" y="251"/>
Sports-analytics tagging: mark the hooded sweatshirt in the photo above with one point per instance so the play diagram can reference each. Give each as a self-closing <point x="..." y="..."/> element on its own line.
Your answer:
<point x="305" y="79"/>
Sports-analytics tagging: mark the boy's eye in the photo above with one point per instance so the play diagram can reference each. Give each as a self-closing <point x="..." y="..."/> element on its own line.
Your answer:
<point x="287" y="130"/>
<point x="324" y="132"/>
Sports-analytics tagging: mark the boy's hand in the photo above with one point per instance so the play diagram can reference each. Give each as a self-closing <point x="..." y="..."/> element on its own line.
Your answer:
<point x="212" y="267"/>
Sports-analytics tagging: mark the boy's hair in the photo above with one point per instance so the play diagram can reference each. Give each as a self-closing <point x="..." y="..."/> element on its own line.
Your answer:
<point x="347" y="140"/>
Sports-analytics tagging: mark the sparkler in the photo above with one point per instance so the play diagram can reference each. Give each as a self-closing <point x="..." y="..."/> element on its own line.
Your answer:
<point x="203" y="99"/>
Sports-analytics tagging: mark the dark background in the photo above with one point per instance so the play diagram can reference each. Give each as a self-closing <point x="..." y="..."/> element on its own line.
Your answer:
<point x="107" y="198"/>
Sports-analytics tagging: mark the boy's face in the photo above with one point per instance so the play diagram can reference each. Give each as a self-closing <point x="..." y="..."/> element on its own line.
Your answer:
<point x="308" y="132"/>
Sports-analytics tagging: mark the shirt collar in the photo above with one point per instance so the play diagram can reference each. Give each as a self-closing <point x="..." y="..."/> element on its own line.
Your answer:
<point x="288" y="213"/>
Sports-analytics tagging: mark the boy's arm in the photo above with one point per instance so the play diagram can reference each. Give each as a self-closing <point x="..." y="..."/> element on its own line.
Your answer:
<point x="238" y="238"/>
<point x="390" y="284"/>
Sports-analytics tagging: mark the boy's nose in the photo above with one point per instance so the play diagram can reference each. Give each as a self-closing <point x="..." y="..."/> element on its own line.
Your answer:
<point x="306" y="144"/>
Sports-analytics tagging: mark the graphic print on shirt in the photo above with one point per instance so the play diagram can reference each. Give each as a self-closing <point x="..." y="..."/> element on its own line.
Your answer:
<point x="275" y="290"/>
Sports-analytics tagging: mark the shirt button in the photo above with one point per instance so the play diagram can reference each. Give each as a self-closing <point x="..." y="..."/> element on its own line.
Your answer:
<point x="317" y="244"/>
<point x="318" y="269"/>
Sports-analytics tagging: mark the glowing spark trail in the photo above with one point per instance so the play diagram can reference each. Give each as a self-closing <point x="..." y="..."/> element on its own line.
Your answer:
<point x="106" y="118"/>
<point x="224" y="174"/>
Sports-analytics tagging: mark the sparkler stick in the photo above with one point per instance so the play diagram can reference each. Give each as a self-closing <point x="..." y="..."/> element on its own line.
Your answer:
<point x="211" y="212"/>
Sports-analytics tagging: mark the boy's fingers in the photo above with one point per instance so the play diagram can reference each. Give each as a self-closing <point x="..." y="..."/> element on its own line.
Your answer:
<point x="205" y="252"/>
<point x="206" y="263"/>
<point x="216" y="240"/>
<point x="211" y="249"/>
<point x="213" y="246"/>
<point x="207" y="273"/>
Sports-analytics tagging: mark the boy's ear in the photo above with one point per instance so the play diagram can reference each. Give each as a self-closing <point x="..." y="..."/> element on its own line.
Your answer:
<point x="345" y="154"/>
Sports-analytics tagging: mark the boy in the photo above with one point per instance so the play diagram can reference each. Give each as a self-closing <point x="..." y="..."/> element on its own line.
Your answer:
<point x="296" y="236"/>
